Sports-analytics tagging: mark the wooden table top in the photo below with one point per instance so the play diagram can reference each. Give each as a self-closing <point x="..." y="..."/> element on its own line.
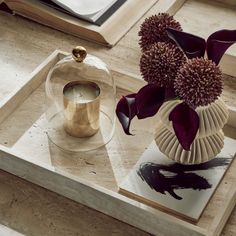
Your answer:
<point x="27" y="208"/>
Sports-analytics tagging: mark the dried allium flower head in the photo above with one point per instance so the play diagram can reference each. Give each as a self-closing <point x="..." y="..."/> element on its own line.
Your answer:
<point x="153" y="29"/>
<point x="199" y="82"/>
<point x="160" y="64"/>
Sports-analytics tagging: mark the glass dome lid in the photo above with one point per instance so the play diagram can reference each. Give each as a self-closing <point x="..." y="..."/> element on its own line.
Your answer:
<point x="81" y="101"/>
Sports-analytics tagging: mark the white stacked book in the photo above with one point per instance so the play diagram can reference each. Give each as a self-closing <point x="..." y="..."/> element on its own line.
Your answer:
<point x="182" y="190"/>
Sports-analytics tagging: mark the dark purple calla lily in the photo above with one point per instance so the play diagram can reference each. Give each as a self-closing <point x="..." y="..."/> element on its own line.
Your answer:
<point x="185" y="122"/>
<point x="145" y="103"/>
<point x="148" y="100"/>
<point x="218" y="43"/>
<point x="192" y="45"/>
<point x="170" y="94"/>
<point x="126" y="111"/>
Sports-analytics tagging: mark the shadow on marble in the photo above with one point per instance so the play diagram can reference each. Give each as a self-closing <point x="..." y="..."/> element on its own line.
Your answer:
<point x="94" y="166"/>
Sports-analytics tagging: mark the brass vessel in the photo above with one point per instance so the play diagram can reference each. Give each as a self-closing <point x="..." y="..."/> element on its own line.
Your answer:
<point x="81" y="118"/>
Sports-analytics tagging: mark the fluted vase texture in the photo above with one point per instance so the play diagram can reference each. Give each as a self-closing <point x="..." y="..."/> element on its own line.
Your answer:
<point x="209" y="140"/>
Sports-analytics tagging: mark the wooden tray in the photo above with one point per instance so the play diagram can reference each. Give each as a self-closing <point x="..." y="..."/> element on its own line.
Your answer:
<point x="203" y="17"/>
<point x="92" y="178"/>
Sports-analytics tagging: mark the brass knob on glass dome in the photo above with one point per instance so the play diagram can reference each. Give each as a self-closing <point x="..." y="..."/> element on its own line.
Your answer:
<point x="79" y="53"/>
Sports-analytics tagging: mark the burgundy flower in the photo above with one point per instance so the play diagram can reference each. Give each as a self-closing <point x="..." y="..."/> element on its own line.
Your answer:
<point x="218" y="43"/>
<point x="160" y="64"/>
<point x="195" y="46"/>
<point x="143" y="104"/>
<point x="185" y="121"/>
<point x="199" y="82"/>
<point x="153" y="29"/>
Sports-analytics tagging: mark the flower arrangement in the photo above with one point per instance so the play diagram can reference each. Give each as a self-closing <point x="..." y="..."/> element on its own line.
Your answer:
<point x="174" y="65"/>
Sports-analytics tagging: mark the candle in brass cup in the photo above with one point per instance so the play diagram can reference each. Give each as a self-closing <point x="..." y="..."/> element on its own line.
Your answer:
<point x="82" y="108"/>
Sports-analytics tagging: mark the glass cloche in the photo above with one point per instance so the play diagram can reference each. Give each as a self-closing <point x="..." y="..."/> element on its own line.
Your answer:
<point x="81" y="102"/>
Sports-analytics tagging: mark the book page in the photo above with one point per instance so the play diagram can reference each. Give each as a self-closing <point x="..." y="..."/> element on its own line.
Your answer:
<point x="84" y="7"/>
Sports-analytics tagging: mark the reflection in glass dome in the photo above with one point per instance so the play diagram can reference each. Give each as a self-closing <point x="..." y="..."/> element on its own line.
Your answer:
<point x="81" y="102"/>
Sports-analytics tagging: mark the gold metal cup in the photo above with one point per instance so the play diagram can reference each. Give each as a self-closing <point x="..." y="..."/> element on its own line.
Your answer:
<point x="81" y="118"/>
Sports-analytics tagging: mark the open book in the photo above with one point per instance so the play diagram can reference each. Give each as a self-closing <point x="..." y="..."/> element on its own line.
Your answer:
<point x="96" y="12"/>
<point x="102" y="21"/>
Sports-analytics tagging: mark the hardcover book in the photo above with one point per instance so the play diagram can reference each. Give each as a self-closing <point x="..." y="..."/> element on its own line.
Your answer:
<point x="96" y="12"/>
<point x="102" y="21"/>
<point x="182" y="190"/>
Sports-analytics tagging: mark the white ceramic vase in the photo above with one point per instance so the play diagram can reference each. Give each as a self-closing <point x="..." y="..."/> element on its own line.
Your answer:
<point x="209" y="140"/>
